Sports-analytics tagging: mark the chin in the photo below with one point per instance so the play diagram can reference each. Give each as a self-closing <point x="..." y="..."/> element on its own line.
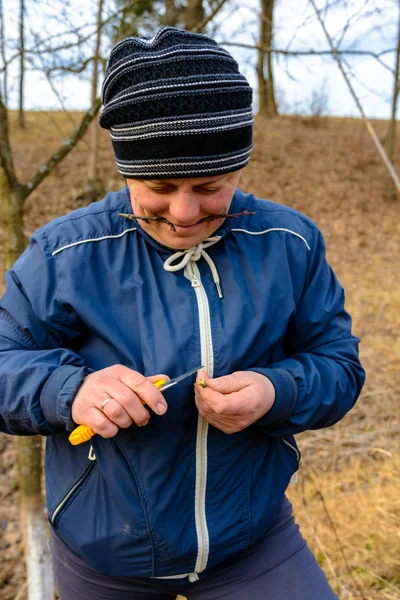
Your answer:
<point x="182" y="244"/>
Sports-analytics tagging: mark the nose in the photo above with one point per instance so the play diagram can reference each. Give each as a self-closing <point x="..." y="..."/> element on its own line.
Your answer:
<point x="184" y="208"/>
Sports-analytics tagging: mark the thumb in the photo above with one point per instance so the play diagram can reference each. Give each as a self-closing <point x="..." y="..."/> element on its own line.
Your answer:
<point x="229" y="383"/>
<point x="158" y="379"/>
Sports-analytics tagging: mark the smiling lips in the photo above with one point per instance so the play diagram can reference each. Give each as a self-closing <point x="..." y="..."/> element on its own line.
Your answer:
<point x="186" y="226"/>
<point x="174" y="226"/>
<point x="203" y="220"/>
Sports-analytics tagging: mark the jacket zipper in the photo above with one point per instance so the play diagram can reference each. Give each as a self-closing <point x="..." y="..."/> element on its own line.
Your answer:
<point x="207" y="359"/>
<point x="59" y="506"/>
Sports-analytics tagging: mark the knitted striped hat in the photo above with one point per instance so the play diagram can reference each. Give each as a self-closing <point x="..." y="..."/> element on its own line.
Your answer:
<point x="176" y="106"/>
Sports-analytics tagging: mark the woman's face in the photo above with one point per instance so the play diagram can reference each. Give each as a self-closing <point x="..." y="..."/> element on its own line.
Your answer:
<point x="182" y="202"/>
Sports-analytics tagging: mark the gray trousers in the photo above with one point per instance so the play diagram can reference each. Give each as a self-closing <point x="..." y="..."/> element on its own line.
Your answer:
<point x="280" y="567"/>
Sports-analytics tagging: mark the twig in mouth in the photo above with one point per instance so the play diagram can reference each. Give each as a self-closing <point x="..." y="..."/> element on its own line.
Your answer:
<point x="227" y="215"/>
<point x="148" y="219"/>
<point x="172" y="226"/>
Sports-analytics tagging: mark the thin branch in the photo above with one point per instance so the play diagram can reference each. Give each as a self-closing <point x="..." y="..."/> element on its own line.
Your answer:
<point x="320" y="544"/>
<point x="21" y="591"/>
<point x="155" y="217"/>
<point x="56" y="92"/>
<point x="371" y="130"/>
<point x="210" y="17"/>
<point x="376" y="55"/>
<point x="392" y="128"/>
<point x="332" y="525"/>
<point x="70" y="68"/>
<point x="64" y="149"/>
<point x="81" y="39"/>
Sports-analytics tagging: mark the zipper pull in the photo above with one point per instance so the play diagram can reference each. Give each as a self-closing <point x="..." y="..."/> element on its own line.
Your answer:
<point x="193" y="275"/>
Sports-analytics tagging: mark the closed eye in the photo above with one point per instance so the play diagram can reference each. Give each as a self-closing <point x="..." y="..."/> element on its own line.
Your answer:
<point x="198" y="189"/>
<point x="202" y="190"/>
<point x="162" y="190"/>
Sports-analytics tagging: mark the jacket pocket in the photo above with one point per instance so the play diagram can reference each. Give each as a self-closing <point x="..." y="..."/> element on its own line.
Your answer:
<point x="71" y="494"/>
<point x="102" y="517"/>
<point x="291" y="444"/>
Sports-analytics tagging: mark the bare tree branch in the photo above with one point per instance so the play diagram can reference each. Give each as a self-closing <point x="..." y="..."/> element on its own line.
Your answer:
<point x="210" y="17"/>
<point x="371" y="130"/>
<point x="75" y="31"/>
<point x="21" y="63"/>
<point x="74" y="68"/>
<point x="63" y="150"/>
<point x="311" y="52"/>
<point x="56" y="92"/>
<point x="392" y="128"/>
<point x="92" y="175"/>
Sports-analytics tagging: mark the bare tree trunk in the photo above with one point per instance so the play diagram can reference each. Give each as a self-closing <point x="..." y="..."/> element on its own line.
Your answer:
<point x="12" y="200"/>
<point x="37" y="554"/>
<point x="391" y="192"/>
<point x="37" y="557"/>
<point x="194" y="14"/>
<point x="93" y="186"/>
<point x="21" y="63"/>
<point x="266" y="92"/>
<point x="171" y="16"/>
<point x="13" y="195"/>
<point x="3" y="54"/>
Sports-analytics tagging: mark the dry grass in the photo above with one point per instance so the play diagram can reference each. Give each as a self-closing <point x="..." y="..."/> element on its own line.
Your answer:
<point x="351" y="520"/>
<point x="349" y="489"/>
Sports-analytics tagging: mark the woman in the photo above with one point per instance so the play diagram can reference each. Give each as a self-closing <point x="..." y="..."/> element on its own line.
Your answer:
<point x="182" y="491"/>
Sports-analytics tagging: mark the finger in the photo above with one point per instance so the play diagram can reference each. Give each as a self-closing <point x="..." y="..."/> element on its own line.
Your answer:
<point x="210" y="407"/>
<point x="158" y="380"/>
<point x="221" y="422"/>
<point x="117" y="413"/>
<point x="101" y="424"/>
<point x="212" y="402"/>
<point x="127" y="406"/>
<point x="145" y="389"/>
<point x="228" y="384"/>
<point x="201" y="378"/>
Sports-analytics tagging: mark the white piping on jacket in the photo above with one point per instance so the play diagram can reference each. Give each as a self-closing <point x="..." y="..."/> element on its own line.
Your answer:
<point x="104" y="237"/>
<point x="274" y="229"/>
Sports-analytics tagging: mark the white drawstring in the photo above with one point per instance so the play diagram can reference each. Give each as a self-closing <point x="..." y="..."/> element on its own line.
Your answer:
<point x="195" y="254"/>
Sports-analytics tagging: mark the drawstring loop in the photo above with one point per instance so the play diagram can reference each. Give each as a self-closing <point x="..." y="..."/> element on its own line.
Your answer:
<point x="194" y="254"/>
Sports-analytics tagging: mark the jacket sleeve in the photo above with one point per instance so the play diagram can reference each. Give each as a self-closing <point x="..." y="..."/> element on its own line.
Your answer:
<point x="39" y="372"/>
<point x="321" y="377"/>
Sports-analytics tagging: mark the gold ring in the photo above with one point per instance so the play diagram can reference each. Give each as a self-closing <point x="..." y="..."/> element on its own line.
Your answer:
<point x="105" y="402"/>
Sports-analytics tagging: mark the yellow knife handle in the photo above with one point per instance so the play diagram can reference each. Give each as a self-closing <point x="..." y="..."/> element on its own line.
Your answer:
<point x="84" y="433"/>
<point x="159" y="383"/>
<point x="81" y="434"/>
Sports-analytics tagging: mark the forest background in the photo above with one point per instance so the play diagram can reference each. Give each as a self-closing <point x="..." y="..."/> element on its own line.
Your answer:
<point x="54" y="160"/>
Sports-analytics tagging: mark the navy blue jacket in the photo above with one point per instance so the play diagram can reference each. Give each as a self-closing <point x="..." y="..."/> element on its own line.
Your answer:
<point x="178" y="495"/>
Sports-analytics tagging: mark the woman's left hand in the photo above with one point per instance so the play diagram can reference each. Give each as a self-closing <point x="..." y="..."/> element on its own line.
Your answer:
<point x="233" y="402"/>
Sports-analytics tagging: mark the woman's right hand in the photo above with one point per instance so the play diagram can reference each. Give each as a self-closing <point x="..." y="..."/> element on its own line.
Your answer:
<point x="115" y="397"/>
